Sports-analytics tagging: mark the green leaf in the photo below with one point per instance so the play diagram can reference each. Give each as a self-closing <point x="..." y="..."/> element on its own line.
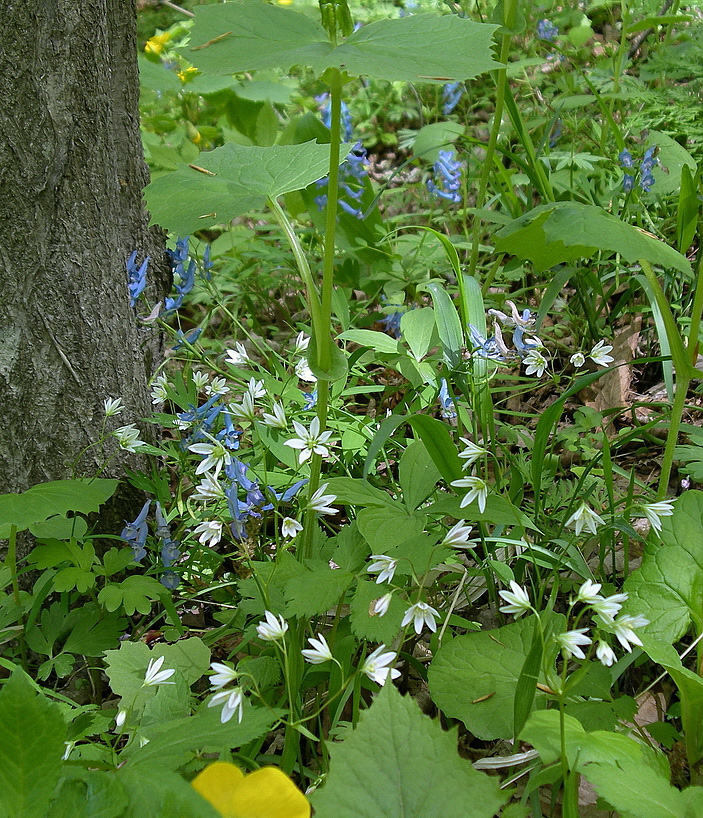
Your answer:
<point x="435" y="435"/>
<point x="448" y="323"/>
<point x="418" y="327"/>
<point x="170" y="743"/>
<point x="439" y="136"/>
<point x="528" y="680"/>
<point x="378" y="341"/>
<point x="417" y="474"/>
<point x="554" y="233"/>
<point x="351" y="549"/>
<point x="668" y="586"/>
<point x="687" y="210"/>
<point x="264" y="671"/>
<point x="384" y="528"/>
<point x="244" y="177"/>
<point x="56" y="498"/>
<point x="93" y="632"/>
<point x="373" y="627"/>
<point x="32" y="734"/>
<point x="399" y="762"/>
<point x="498" y="511"/>
<point x="356" y="492"/>
<point x="315" y="592"/>
<point x="474" y="677"/>
<point x="237" y="37"/>
<point x="162" y="795"/>
<point x="135" y="593"/>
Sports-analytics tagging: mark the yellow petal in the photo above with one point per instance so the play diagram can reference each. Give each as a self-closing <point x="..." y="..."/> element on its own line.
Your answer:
<point x="266" y="793"/>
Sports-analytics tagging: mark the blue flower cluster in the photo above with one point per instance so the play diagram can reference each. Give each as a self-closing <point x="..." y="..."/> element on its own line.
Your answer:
<point x="448" y="174"/>
<point x="352" y="173"/>
<point x="451" y="94"/>
<point x="185" y="276"/>
<point x="649" y="161"/>
<point x="136" y="277"/>
<point x="255" y="501"/>
<point x="135" y="533"/>
<point x="447" y="410"/>
<point x="494" y="347"/>
<point x="201" y="420"/>
<point x="326" y="114"/>
<point x="546" y="30"/>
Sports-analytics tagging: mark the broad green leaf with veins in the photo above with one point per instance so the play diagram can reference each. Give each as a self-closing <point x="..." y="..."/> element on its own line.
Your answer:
<point x="235" y="37"/>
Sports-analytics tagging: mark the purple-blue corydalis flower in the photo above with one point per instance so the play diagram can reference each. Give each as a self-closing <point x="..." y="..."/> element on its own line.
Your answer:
<point x="628" y="182"/>
<point x="447" y="410"/>
<point x="170" y="580"/>
<point x="625" y="159"/>
<point x="135" y="533"/>
<point x="485" y="347"/>
<point x="323" y="100"/>
<point x="169" y="552"/>
<point x="352" y="173"/>
<point x="228" y="435"/>
<point x="310" y="399"/>
<point x="391" y="323"/>
<point x="524" y="344"/>
<point x="190" y="338"/>
<point x="136" y="277"/>
<point x="448" y="175"/>
<point x="451" y="94"/>
<point x="546" y="30"/>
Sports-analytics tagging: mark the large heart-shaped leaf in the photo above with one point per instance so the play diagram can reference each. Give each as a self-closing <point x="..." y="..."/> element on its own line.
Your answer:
<point x="234" y="37"/>
<point x="236" y="179"/>
<point x="555" y="233"/>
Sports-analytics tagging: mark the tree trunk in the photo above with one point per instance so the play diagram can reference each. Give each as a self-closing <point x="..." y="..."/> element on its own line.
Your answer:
<point x="71" y="212"/>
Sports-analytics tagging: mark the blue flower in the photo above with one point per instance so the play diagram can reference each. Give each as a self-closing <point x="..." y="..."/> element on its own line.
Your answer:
<point x="445" y="400"/>
<point x="136" y="281"/>
<point x="391" y="323"/>
<point x="485" y="347"/>
<point x="170" y="552"/>
<point x="546" y="30"/>
<point x="628" y="182"/>
<point x="229" y="436"/>
<point x="625" y="159"/>
<point x="190" y="338"/>
<point x="646" y="182"/>
<point x="310" y="399"/>
<point x="451" y="94"/>
<point x="352" y="173"/>
<point x="170" y="580"/>
<point x="135" y="533"/>
<point x="448" y="174"/>
<point x="326" y="113"/>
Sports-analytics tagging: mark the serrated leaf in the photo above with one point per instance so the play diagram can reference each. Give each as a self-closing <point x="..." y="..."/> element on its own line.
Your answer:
<point x="89" y="794"/>
<point x="55" y="498"/>
<point x="474" y="677"/>
<point x="351" y="549"/>
<point x="32" y="734"/>
<point x="93" y="633"/>
<point x="162" y="795"/>
<point x="668" y="586"/>
<point x="374" y="628"/>
<point x="263" y="670"/>
<point x="554" y="233"/>
<point x="244" y="177"/>
<point x="383" y="528"/>
<point x="399" y="762"/>
<point x="315" y="592"/>
<point x="238" y="37"/>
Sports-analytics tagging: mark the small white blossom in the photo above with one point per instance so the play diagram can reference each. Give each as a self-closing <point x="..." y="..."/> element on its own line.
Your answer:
<point x="600" y="354"/>
<point x="237" y="356"/>
<point x="386" y="566"/>
<point x="421" y="614"/>
<point x="471" y="453"/>
<point x="458" y="536"/>
<point x="303" y="371"/>
<point x="222" y="676"/>
<point x="210" y="532"/>
<point x="309" y="442"/>
<point x="589" y="592"/>
<point x="217" y="387"/>
<point x="209" y="488"/>
<point x="200" y="379"/>
<point x="233" y="703"/>
<point x="478" y="490"/>
<point x="380" y="606"/>
<point x="302" y="341"/>
<point x="609" y="607"/>
<point x="113" y="406"/>
<point x="536" y="363"/>
<point x="290" y="527"/>
<point x="623" y="630"/>
<point x="320" y="651"/>
<point x="155" y="676"/>
<point x="578" y="359"/>
<point x="278" y="419"/>
<point x="128" y="437"/>
<point x="120" y="719"/>
<point x="320" y="501"/>
<point x="605" y="654"/>
<point x="378" y="666"/>
<point x="158" y="389"/>
<point x="273" y="628"/>
<point x="585" y="517"/>
<point x="517" y="599"/>
<point x="256" y="388"/>
<point x="570" y="642"/>
<point x="215" y="456"/>
<point x="655" y="511"/>
<point x="246" y="409"/>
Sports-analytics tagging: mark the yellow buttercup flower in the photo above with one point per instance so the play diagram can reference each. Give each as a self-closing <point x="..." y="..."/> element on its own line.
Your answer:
<point x="284" y="2"/>
<point x="266" y="793"/>
<point x="187" y="74"/>
<point x="155" y="45"/>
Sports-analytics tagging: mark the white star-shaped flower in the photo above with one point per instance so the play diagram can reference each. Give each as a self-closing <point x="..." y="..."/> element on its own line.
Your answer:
<point x="536" y="363"/>
<point x="310" y="441"/>
<point x="320" y="501"/>
<point x="421" y="614"/>
<point x="600" y="354"/>
<point x="570" y="642"/>
<point x="655" y="511"/>
<point x="517" y="599"/>
<point x="378" y="666"/>
<point x="273" y="628"/>
<point x="385" y="565"/>
<point x="290" y="527"/>
<point x="233" y="701"/>
<point x="478" y="490"/>
<point x="471" y="452"/>
<point x="237" y="356"/>
<point x="155" y="676"/>
<point x="278" y="419"/>
<point x="210" y="532"/>
<point x="458" y="536"/>
<point x="319" y="652"/>
<point x="585" y="517"/>
<point x="215" y="456"/>
<point x="222" y="676"/>
<point x="605" y="654"/>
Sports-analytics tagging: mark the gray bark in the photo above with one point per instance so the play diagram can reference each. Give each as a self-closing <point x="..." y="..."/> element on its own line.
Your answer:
<point x="71" y="212"/>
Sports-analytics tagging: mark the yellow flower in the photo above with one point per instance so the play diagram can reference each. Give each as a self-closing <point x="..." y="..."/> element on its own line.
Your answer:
<point x="284" y="2"/>
<point x="187" y="74"/>
<point x="155" y="45"/>
<point x="266" y="793"/>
